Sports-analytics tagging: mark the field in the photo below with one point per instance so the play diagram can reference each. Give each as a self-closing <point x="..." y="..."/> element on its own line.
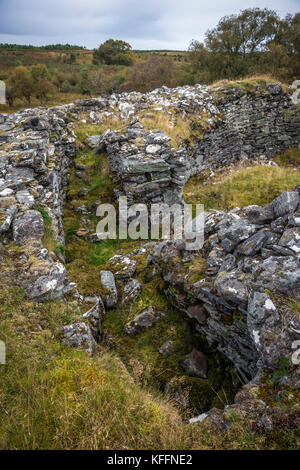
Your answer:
<point x="69" y="66"/>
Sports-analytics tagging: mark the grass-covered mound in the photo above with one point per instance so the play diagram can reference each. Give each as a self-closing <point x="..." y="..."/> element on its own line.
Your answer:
<point x="259" y="184"/>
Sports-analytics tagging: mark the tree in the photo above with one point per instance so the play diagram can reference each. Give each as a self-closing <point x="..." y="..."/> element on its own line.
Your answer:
<point x="253" y="41"/>
<point x="58" y="78"/>
<point x="43" y="87"/>
<point x="278" y="60"/>
<point x="113" y="52"/>
<point x="10" y="95"/>
<point x="249" y="31"/>
<point x="21" y="81"/>
<point x="86" y="84"/>
<point x="150" y="74"/>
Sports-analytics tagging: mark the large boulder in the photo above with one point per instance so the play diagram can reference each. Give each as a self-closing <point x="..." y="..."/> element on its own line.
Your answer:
<point x="286" y="203"/>
<point x="146" y="319"/>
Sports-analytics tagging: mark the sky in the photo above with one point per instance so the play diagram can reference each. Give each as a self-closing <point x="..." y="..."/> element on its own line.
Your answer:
<point x="145" y="24"/>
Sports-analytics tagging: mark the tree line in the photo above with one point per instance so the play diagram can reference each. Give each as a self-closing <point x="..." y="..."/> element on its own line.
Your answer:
<point x="50" y="47"/>
<point x="39" y="82"/>
<point x="254" y="41"/>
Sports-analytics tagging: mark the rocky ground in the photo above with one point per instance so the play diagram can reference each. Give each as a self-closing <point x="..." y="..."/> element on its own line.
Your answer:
<point x="197" y="325"/>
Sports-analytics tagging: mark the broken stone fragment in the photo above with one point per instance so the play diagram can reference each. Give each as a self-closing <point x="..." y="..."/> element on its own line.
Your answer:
<point x="79" y="335"/>
<point x="198" y="312"/>
<point x="166" y="349"/>
<point x="108" y="282"/>
<point x="234" y="234"/>
<point x="93" y="141"/>
<point x="132" y="291"/>
<point x="94" y="316"/>
<point x="261" y="308"/>
<point x="24" y="197"/>
<point x="286" y="203"/>
<point x="279" y="273"/>
<point x="253" y="244"/>
<point x="152" y="149"/>
<point x="6" y="192"/>
<point x="195" y="364"/>
<point x="50" y="286"/>
<point x="146" y="319"/>
<point x="259" y="215"/>
<point x="291" y="239"/>
<point x="6" y="218"/>
<point x="28" y="225"/>
<point x="232" y="286"/>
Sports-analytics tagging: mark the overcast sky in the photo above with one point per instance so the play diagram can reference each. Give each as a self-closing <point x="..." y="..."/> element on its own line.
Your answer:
<point x="145" y="24"/>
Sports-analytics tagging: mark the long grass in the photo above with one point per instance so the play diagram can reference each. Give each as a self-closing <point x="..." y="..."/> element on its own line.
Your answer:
<point x="259" y="185"/>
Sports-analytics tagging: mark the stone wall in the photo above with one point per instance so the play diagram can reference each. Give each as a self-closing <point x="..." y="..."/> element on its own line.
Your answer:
<point x="36" y="147"/>
<point x="253" y="125"/>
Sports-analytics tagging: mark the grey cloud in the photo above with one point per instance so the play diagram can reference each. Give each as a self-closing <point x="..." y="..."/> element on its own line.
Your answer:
<point x="145" y="24"/>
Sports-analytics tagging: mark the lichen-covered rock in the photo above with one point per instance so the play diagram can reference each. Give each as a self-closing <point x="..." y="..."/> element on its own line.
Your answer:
<point x="280" y="274"/>
<point x="258" y="214"/>
<point x="79" y="335"/>
<point x="28" y="225"/>
<point x="291" y="239"/>
<point x="6" y="218"/>
<point x="286" y="203"/>
<point x="132" y="291"/>
<point x="240" y="230"/>
<point x="229" y="304"/>
<point x="167" y="348"/>
<point x="24" y="197"/>
<point x="50" y="286"/>
<point x="95" y="316"/>
<point x="232" y="286"/>
<point x="122" y="266"/>
<point x="108" y="282"/>
<point x="93" y="141"/>
<point x="253" y="244"/>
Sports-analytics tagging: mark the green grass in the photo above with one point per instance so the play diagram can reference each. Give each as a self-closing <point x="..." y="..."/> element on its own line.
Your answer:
<point x="53" y="397"/>
<point x="45" y="215"/>
<point x="289" y="158"/>
<point x="259" y="185"/>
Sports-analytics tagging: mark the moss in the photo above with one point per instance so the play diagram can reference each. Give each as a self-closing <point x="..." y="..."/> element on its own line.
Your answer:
<point x="196" y="271"/>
